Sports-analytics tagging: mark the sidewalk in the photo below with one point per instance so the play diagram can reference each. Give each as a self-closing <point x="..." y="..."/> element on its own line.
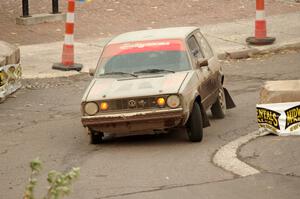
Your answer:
<point x="228" y="40"/>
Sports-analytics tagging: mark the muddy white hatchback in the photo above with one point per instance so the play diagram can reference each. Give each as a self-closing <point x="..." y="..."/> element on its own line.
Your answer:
<point x="155" y="80"/>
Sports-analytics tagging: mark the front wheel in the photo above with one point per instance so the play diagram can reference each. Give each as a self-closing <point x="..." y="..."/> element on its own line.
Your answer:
<point x="194" y="125"/>
<point x="218" y="109"/>
<point x="95" y="137"/>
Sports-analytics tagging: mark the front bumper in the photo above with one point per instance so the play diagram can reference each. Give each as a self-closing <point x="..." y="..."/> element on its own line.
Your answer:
<point x="138" y="121"/>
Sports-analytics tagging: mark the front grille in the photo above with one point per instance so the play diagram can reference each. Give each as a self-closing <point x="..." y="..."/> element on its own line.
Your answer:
<point x="133" y="103"/>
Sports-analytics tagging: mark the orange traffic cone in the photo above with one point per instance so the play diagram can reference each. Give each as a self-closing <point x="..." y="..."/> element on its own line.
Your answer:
<point x="67" y="62"/>
<point x="260" y="27"/>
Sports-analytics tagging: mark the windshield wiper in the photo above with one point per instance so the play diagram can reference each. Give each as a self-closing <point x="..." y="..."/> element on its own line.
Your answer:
<point x="119" y="73"/>
<point x="154" y="71"/>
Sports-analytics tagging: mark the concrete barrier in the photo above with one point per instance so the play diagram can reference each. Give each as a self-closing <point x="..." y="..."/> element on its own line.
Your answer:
<point x="40" y="18"/>
<point x="9" y="54"/>
<point x="10" y="70"/>
<point x="280" y="92"/>
<point x="278" y="110"/>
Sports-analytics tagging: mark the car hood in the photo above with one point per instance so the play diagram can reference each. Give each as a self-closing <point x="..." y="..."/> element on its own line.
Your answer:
<point x="114" y="88"/>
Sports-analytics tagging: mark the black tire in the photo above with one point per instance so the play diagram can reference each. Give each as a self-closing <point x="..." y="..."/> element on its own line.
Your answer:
<point x="194" y="125"/>
<point x="95" y="137"/>
<point x="218" y="109"/>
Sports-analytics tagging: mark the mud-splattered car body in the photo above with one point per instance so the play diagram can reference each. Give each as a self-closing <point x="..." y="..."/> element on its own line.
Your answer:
<point x="150" y="80"/>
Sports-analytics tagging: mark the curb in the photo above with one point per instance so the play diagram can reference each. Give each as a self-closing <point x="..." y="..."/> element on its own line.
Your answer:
<point x="52" y="75"/>
<point x="226" y="157"/>
<point x="252" y="51"/>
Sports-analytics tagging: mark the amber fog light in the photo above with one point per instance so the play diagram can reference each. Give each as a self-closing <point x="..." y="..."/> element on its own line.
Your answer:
<point x="91" y="108"/>
<point x="173" y="101"/>
<point x="103" y="106"/>
<point x="161" y="102"/>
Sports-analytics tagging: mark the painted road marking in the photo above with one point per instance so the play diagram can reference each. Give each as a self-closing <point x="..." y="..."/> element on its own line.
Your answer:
<point x="226" y="156"/>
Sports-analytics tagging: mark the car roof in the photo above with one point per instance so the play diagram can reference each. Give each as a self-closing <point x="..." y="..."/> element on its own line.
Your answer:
<point x="153" y="34"/>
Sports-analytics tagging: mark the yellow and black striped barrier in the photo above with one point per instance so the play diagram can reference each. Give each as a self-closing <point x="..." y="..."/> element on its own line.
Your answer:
<point x="10" y="80"/>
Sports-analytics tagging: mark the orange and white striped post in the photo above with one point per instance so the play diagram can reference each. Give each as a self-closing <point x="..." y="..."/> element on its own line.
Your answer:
<point x="260" y="27"/>
<point x="67" y="62"/>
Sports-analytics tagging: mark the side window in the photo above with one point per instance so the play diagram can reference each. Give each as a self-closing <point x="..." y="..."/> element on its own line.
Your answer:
<point x="204" y="45"/>
<point x="194" y="47"/>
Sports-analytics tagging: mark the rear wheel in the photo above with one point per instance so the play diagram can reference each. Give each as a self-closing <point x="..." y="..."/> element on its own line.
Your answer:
<point x="95" y="137"/>
<point x="218" y="109"/>
<point x="194" y="125"/>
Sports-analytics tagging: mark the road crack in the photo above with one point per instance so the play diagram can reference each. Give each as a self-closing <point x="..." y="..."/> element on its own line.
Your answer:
<point x="164" y="187"/>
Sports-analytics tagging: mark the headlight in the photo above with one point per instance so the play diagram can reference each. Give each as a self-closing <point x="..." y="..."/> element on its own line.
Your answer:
<point x="91" y="108"/>
<point x="173" y="101"/>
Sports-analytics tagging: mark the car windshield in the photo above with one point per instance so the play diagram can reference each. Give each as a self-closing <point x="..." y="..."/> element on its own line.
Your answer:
<point x="167" y="56"/>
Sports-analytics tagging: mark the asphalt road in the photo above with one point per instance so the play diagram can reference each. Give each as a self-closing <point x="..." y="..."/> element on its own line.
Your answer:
<point x="43" y="120"/>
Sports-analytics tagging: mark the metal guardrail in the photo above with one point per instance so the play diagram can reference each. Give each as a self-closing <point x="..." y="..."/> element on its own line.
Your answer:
<point x="10" y="80"/>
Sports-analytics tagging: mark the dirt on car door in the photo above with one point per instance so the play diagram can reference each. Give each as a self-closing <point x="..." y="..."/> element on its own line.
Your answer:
<point x="213" y="66"/>
<point x="203" y="73"/>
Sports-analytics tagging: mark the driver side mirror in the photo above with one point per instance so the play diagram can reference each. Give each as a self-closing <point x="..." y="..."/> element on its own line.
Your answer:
<point x="201" y="62"/>
<point x="92" y="71"/>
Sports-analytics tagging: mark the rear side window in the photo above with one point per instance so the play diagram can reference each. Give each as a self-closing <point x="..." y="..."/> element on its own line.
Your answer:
<point x="208" y="53"/>
<point x="194" y="47"/>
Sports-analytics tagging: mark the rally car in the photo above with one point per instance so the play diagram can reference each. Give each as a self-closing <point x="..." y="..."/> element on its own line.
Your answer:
<point x="155" y="80"/>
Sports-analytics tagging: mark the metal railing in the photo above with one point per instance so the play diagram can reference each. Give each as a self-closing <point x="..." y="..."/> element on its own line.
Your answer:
<point x="25" y="8"/>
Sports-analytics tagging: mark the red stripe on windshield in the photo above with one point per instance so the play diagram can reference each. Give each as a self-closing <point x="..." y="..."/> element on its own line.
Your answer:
<point x="143" y="46"/>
